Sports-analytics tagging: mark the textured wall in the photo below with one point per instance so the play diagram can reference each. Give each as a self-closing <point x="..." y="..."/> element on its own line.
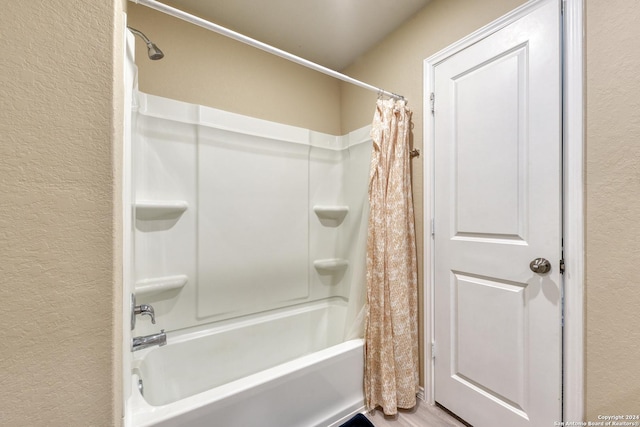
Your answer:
<point x="202" y="67"/>
<point x="613" y="208"/>
<point x="396" y="65"/>
<point x="57" y="261"/>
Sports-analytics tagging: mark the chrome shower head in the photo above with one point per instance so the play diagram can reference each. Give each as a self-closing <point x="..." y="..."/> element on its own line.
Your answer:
<point x="153" y="51"/>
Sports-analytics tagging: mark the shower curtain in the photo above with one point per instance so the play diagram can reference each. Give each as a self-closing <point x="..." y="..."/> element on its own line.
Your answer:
<point x="391" y="328"/>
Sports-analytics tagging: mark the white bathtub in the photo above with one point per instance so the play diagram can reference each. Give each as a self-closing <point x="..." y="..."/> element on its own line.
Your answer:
<point x="287" y="368"/>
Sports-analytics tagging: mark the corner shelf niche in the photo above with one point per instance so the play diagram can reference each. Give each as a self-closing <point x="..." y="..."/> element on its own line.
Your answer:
<point x="330" y="265"/>
<point x="331" y="215"/>
<point x="157" y="285"/>
<point x="160" y="209"/>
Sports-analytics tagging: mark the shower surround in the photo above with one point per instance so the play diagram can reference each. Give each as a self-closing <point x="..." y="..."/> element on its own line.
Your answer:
<point x="249" y="242"/>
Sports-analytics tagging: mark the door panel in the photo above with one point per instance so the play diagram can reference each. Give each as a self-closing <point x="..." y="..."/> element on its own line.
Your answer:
<point x="478" y="342"/>
<point x="489" y="191"/>
<point x="497" y="207"/>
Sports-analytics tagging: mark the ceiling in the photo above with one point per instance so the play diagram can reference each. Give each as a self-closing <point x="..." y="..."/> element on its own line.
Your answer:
<point x="332" y="33"/>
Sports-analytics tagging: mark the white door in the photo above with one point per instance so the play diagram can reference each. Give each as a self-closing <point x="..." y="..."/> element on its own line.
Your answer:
<point x="498" y="207"/>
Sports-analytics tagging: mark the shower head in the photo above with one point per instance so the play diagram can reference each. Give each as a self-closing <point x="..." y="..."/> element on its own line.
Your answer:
<point x="153" y="51"/>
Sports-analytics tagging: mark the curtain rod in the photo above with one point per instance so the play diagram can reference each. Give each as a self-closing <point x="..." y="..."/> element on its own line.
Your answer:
<point x="177" y="13"/>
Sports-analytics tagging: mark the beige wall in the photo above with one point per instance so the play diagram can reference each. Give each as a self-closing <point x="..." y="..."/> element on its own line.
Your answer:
<point x="205" y="68"/>
<point x="58" y="260"/>
<point x="396" y="65"/>
<point x="613" y="208"/>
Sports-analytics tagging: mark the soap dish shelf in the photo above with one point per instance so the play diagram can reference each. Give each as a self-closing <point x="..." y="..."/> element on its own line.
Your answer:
<point x="330" y="265"/>
<point x="160" y="209"/>
<point x="157" y="285"/>
<point x="331" y="215"/>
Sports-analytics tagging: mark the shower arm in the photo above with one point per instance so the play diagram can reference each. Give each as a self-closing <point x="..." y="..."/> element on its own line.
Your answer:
<point x="140" y="34"/>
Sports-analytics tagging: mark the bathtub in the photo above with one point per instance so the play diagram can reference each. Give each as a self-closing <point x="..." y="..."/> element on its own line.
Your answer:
<point x="284" y="368"/>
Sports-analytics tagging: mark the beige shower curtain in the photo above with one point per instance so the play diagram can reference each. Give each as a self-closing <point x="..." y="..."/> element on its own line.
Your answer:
<point x="391" y="329"/>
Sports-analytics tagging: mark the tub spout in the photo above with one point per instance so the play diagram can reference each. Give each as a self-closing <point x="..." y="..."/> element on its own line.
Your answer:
<point x="138" y="343"/>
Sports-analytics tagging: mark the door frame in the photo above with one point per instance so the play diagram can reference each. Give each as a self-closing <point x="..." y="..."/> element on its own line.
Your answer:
<point x="573" y="199"/>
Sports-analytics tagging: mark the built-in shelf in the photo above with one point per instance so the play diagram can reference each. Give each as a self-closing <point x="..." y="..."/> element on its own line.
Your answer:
<point x="330" y="265"/>
<point x="331" y="215"/>
<point x="160" y="209"/>
<point x="158" y="285"/>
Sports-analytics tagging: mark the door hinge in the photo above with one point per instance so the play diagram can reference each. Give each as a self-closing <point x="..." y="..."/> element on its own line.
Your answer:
<point x="432" y="98"/>
<point x="433" y="350"/>
<point x="562" y="266"/>
<point x="433" y="227"/>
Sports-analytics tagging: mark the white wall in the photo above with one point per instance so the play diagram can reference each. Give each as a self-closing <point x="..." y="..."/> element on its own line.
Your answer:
<point x="227" y="209"/>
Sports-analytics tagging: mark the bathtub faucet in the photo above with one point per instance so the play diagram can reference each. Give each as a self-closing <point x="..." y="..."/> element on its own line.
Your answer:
<point x="142" y="309"/>
<point x="138" y="343"/>
<point x="145" y="309"/>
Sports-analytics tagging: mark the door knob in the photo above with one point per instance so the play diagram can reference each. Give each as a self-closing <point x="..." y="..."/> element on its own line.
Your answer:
<point x="540" y="266"/>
